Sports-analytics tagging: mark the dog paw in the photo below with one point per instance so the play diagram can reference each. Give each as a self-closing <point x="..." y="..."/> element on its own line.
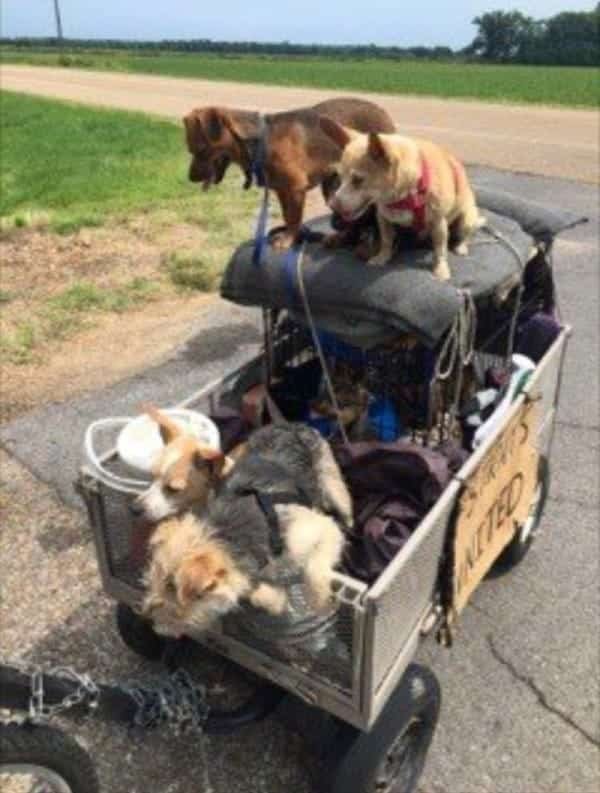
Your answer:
<point x="335" y="240"/>
<point x="364" y="250"/>
<point x="269" y="598"/>
<point x="441" y="270"/>
<point x="462" y="249"/>
<point x="318" y="595"/>
<point x="378" y="261"/>
<point x="282" y="241"/>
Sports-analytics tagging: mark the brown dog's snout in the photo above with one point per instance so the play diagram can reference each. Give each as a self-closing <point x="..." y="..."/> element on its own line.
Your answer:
<point x="199" y="171"/>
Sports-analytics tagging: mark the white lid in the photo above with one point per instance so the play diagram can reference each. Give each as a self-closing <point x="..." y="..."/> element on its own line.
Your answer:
<point x="140" y="442"/>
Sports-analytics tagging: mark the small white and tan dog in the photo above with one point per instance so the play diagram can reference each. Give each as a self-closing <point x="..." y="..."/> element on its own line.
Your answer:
<point x="281" y="506"/>
<point x="185" y="472"/>
<point x="413" y="184"/>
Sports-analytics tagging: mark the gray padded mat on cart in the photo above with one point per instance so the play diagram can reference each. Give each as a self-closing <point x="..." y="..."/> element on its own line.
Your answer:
<point x="371" y="302"/>
<point x="543" y="224"/>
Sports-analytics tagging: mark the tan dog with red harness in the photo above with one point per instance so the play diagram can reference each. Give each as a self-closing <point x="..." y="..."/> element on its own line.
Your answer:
<point x="414" y="184"/>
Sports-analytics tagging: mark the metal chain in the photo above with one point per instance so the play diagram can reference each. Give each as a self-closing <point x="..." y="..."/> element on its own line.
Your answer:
<point x="177" y="702"/>
<point x="87" y="692"/>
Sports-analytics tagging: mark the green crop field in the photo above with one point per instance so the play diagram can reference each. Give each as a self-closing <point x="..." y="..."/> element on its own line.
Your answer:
<point x="552" y="85"/>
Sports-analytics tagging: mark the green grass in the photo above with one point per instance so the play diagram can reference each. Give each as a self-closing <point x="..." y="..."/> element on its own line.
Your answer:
<point x="84" y="296"/>
<point x="17" y="347"/>
<point x="66" y="166"/>
<point x="554" y="85"/>
<point x="190" y="271"/>
<point x="76" y="165"/>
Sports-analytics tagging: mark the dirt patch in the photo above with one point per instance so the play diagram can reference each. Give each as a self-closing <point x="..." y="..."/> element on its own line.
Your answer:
<point x="104" y="346"/>
<point x="60" y="355"/>
<point x="116" y="347"/>
<point x="37" y="263"/>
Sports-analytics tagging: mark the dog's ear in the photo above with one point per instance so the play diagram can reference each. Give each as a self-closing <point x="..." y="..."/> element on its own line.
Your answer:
<point x="192" y="123"/>
<point x="213" y="457"/>
<point x="340" y="135"/>
<point x="199" y="575"/>
<point x="377" y="149"/>
<point x="229" y="122"/>
<point x="189" y="121"/>
<point x="169" y="430"/>
<point x="217" y="119"/>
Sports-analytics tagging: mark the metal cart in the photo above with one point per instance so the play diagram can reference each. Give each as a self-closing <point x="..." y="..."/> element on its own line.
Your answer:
<point x="379" y="709"/>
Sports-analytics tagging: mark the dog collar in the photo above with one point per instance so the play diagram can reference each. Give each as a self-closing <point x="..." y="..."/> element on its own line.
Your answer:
<point x="415" y="201"/>
<point x="267" y="503"/>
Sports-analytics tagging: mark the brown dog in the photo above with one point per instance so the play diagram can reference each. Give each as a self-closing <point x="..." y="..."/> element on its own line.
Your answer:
<point x="298" y="154"/>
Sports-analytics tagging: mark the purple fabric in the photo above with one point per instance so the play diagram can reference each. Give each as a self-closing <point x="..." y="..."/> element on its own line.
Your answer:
<point x="393" y="485"/>
<point x="232" y="428"/>
<point x="537" y="335"/>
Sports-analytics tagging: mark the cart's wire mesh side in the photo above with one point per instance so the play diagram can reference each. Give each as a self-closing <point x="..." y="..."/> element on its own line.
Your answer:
<point x="322" y="651"/>
<point x="405" y="590"/>
<point x="125" y="540"/>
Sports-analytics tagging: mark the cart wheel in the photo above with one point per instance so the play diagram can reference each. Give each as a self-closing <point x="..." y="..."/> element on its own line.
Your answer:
<point x="518" y="547"/>
<point x="51" y="760"/>
<point x="391" y="757"/>
<point x="138" y="634"/>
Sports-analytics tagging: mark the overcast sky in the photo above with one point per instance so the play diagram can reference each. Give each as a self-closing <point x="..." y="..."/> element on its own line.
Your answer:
<point x="425" y="22"/>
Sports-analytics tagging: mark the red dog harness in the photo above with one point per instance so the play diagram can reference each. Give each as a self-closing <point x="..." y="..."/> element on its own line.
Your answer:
<point x="415" y="201"/>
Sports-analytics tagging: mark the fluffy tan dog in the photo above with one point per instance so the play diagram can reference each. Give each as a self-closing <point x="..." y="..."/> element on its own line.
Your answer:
<point x="196" y="575"/>
<point x="413" y="184"/>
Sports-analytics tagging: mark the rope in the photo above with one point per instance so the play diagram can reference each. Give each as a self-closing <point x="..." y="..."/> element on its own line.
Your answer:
<point x="460" y="340"/>
<point x="317" y="343"/>
<point x="515" y="315"/>
<point x="457" y="351"/>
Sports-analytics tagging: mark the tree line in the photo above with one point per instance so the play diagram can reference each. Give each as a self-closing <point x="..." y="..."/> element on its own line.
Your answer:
<point x="568" y="38"/>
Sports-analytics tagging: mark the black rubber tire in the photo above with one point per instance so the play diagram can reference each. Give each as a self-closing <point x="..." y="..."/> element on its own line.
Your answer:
<point x="49" y="748"/>
<point x="390" y="758"/>
<point x="517" y="549"/>
<point x="138" y="634"/>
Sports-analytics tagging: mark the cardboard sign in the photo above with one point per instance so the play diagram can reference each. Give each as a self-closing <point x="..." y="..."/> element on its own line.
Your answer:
<point x="495" y="501"/>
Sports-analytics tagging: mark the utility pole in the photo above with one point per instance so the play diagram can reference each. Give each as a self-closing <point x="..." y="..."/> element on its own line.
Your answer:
<point x="59" y="32"/>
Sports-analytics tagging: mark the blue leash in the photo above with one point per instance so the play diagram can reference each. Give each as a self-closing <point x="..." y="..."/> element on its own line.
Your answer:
<point x="258" y="175"/>
<point x="261" y="238"/>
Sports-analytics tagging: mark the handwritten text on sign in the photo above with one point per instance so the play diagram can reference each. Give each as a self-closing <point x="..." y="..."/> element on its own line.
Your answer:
<point x="496" y="500"/>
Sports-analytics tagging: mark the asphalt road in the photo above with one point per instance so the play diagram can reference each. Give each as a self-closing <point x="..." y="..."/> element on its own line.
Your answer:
<point x="539" y="140"/>
<point x="521" y="685"/>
